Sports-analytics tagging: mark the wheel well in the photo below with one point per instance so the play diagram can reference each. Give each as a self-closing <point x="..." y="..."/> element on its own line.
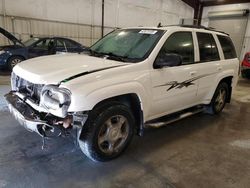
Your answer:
<point x="133" y="102"/>
<point x="228" y="81"/>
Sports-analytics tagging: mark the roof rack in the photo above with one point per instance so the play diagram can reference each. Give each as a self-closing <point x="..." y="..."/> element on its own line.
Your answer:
<point x="194" y="26"/>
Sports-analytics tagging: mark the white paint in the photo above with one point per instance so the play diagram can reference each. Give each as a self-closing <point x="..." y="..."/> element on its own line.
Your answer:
<point x="138" y="78"/>
<point x="55" y="68"/>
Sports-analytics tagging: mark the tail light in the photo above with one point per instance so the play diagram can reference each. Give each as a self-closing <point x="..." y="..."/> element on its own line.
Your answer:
<point x="246" y="60"/>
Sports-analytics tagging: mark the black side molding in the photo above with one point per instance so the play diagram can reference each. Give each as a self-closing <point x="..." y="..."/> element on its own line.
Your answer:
<point x="87" y="72"/>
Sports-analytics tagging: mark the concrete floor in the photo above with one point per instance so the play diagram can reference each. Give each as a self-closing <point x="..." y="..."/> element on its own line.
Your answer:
<point x="201" y="151"/>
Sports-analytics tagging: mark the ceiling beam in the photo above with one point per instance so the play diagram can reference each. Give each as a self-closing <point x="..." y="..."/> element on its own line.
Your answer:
<point x="198" y="9"/>
<point x="223" y="2"/>
<point x="191" y="3"/>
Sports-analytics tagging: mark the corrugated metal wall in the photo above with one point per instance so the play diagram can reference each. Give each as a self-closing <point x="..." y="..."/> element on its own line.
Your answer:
<point x="24" y="27"/>
<point x="81" y="19"/>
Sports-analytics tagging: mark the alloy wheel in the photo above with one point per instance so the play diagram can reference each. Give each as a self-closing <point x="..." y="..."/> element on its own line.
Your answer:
<point x="15" y="61"/>
<point x="113" y="134"/>
<point x="220" y="99"/>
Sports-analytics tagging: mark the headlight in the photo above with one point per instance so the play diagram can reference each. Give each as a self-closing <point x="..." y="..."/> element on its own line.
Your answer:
<point x="56" y="100"/>
<point x="2" y="52"/>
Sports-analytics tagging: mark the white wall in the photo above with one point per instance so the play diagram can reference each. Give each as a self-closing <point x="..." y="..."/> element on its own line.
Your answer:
<point x="241" y="6"/>
<point x="125" y="13"/>
<point x="81" y="19"/>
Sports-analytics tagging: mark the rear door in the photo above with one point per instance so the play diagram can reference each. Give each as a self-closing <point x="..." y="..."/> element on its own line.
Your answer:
<point x="65" y="45"/>
<point x="209" y="65"/>
<point x="230" y="61"/>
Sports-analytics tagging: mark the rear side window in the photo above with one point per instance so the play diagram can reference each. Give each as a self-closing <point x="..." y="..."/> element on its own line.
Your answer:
<point x="180" y="43"/>
<point x="70" y="44"/>
<point x="227" y="47"/>
<point x="207" y="47"/>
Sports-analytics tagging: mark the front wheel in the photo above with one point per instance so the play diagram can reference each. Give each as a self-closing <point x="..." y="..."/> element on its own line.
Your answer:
<point x="107" y="132"/>
<point x="219" y="99"/>
<point x="13" y="61"/>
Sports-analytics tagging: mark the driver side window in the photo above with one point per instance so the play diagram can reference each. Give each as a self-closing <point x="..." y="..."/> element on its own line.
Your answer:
<point x="43" y="44"/>
<point x="180" y="43"/>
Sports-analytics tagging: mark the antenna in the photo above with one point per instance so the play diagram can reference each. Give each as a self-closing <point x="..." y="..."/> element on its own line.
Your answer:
<point x="159" y="24"/>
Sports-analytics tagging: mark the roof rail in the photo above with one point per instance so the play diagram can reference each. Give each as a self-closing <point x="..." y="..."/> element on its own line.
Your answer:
<point x="194" y="26"/>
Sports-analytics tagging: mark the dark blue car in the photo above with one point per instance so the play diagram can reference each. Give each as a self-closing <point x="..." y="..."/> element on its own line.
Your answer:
<point x="17" y="51"/>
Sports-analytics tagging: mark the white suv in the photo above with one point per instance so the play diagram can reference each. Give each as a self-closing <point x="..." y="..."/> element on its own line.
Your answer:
<point x="130" y="79"/>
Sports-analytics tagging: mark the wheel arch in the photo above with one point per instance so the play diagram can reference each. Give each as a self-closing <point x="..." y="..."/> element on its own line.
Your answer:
<point x="228" y="80"/>
<point x="133" y="101"/>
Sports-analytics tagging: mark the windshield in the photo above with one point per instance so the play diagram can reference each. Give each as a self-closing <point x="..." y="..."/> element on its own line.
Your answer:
<point x="131" y="44"/>
<point x="30" y="41"/>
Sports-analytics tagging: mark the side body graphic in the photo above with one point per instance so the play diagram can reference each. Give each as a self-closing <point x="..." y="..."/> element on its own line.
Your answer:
<point x="180" y="85"/>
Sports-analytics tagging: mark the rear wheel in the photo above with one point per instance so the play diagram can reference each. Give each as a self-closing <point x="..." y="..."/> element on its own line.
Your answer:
<point x="219" y="99"/>
<point x="13" y="61"/>
<point x="107" y="132"/>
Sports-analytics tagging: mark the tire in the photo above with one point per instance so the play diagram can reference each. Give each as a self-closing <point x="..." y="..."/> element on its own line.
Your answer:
<point x="107" y="132"/>
<point x="218" y="101"/>
<point x="14" y="60"/>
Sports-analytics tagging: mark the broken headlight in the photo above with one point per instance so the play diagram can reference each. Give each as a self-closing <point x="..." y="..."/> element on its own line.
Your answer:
<point x="56" y="100"/>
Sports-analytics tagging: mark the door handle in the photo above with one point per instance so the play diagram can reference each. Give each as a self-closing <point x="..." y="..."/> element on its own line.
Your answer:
<point x="193" y="73"/>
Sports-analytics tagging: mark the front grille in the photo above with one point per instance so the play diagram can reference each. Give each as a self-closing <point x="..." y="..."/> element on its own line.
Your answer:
<point x="23" y="86"/>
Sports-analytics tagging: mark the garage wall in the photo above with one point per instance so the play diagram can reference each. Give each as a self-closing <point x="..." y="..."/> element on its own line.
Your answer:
<point x="81" y="19"/>
<point x="205" y="21"/>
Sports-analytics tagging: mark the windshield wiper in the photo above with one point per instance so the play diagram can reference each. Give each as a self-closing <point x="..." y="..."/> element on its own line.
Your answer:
<point x="113" y="56"/>
<point x="109" y="55"/>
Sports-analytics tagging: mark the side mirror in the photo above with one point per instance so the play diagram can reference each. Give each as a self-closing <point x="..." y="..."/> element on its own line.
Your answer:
<point x="167" y="60"/>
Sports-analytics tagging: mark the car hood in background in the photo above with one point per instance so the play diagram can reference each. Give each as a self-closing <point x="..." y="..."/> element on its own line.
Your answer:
<point x="56" y="68"/>
<point x="10" y="37"/>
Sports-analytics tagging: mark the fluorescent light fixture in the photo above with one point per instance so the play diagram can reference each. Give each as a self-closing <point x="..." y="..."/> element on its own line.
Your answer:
<point x="231" y="13"/>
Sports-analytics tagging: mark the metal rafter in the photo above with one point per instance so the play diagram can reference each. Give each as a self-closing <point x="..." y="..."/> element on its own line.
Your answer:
<point x="195" y="3"/>
<point x="225" y="2"/>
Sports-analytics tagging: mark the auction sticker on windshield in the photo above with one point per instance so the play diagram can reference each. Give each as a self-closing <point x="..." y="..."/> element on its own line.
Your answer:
<point x="150" y="32"/>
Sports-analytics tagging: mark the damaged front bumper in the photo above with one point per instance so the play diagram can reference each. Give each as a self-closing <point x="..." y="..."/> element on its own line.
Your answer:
<point x="37" y="121"/>
<point x="26" y="115"/>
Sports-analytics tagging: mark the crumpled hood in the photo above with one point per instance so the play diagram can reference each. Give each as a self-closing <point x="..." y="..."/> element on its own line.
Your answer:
<point x="56" y="68"/>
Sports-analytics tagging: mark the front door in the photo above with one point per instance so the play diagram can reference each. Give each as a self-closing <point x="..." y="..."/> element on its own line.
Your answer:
<point x="41" y="48"/>
<point x="175" y="88"/>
